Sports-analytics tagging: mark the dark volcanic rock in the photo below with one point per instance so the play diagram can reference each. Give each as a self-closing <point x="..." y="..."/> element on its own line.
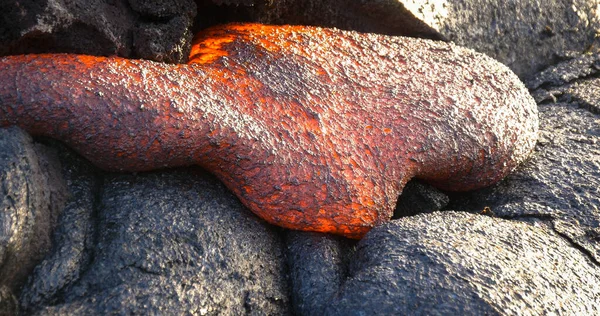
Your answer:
<point x="157" y="30"/>
<point x="74" y="236"/>
<point x="163" y="32"/>
<point x="162" y="9"/>
<point x="450" y="263"/>
<point x="318" y="262"/>
<point x="417" y="198"/>
<point x="81" y="26"/>
<point x="525" y="35"/>
<point x="177" y="242"/>
<point x="32" y="195"/>
<point x="575" y="80"/>
<point x="587" y="94"/>
<point x="9" y="305"/>
<point x="317" y="267"/>
<point x="574" y="66"/>
<point x="236" y="2"/>
<point x="166" y="42"/>
<point x="456" y="263"/>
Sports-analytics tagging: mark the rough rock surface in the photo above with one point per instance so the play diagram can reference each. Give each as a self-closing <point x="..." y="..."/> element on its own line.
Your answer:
<point x="157" y="30"/>
<point x="523" y="34"/>
<point x="574" y="80"/>
<point x="176" y="242"/>
<point x="73" y="240"/>
<point x="454" y="118"/>
<point x="32" y="195"/>
<point x="455" y="263"/>
<point x="317" y="265"/>
<point x="557" y="191"/>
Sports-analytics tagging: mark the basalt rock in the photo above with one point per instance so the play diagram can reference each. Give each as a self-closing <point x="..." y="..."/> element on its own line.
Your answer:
<point x="32" y="195"/>
<point x="176" y="242"/>
<point x="156" y="30"/>
<point x="452" y="263"/>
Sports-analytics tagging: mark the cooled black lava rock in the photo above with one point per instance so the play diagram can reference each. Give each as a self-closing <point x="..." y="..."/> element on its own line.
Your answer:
<point x="157" y="30"/>
<point x="455" y="263"/>
<point x="177" y="242"/>
<point x="32" y="195"/>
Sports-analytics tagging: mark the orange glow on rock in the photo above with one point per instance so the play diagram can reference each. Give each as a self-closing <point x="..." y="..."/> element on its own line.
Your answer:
<point x="313" y="129"/>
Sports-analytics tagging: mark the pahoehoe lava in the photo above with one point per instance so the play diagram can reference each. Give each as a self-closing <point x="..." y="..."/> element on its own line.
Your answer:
<point x="312" y="128"/>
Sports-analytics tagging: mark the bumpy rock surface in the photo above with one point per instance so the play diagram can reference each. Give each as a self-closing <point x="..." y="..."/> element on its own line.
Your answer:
<point x="32" y="195"/>
<point x="317" y="268"/>
<point x="451" y="263"/>
<point x="357" y="116"/>
<point x="73" y="239"/>
<point x="417" y="198"/>
<point x="173" y="242"/>
<point x="524" y="34"/>
<point x="556" y="192"/>
<point x="575" y="80"/>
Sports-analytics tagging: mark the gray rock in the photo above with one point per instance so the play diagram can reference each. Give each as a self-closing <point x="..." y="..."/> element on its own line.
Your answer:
<point x="90" y="26"/>
<point x="574" y="66"/>
<point x="73" y="240"/>
<point x="9" y="306"/>
<point x="164" y="32"/>
<point x="31" y="199"/>
<point x="318" y="262"/>
<point x="162" y="9"/>
<point x="451" y="263"/>
<point x="587" y="94"/>
<point x="98" y="27"/>
<point x="555" y="193"/>
<point x="235" y="2"/>
<point x="177" y="242"/>
<point x="573" y="80"/>
<point x="168" y="42"/>
<point x="524" y="35"/>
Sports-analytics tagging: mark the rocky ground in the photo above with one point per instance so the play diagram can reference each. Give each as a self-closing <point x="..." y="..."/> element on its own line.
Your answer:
<point x="77" y="240"/>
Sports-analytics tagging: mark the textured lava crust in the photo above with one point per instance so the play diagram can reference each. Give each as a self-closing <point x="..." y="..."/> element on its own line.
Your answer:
<point x="313" y="129"/>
